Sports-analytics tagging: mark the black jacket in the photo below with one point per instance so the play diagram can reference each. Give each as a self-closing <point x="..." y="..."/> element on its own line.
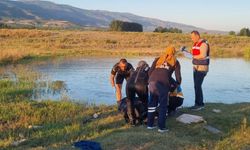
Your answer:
<point x="140" y="76"/>
<point x="163" y="75"/>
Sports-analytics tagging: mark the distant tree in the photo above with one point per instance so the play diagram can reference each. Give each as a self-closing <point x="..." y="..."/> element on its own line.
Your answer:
<point x="117" y="25"/>
<point x="244" y="32"/>
<point x="231" y="33"/>
<point x="171" y="30"/>
<point x="160" y="29"/>
<point x="3" y="26"/>
<point x="175" y="30"/>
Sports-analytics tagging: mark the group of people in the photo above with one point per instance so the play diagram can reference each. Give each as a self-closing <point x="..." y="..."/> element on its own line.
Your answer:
<point x="151" y="91"/>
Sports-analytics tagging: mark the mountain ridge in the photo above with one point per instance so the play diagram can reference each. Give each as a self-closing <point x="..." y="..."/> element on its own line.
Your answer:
<point x="46" y="10"/>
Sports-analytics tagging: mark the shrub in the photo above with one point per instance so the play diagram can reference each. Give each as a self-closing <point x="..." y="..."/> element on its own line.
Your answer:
<point x="244" y="32"/>
<point x="170" y="30"/>
<point x="117" y="25"/>
<point x="232" y="33"/>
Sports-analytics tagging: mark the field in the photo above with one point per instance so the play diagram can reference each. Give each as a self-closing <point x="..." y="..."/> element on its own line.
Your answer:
<point x="49" y="124"/>
<point x="24" y="44"/>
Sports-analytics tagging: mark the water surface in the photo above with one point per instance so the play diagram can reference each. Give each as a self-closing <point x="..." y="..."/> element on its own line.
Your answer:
<point x="87" y="79"/>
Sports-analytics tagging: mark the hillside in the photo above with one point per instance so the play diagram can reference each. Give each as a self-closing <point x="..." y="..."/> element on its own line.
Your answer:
<point x="44" y="10"/>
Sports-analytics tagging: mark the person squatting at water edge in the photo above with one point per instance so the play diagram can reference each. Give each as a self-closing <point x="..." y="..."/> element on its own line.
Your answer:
<point x="134" y="108"/>
<point x="137" y="84"/>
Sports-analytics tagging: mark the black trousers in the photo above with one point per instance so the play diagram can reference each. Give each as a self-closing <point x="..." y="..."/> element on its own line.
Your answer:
<point x="174" y="102"/>
<point x="198" y="80"/>
<point x="133" y="89"/>
<point x="158" y="95"/>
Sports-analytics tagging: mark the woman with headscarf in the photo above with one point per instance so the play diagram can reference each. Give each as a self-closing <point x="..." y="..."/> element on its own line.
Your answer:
<point x="159" y="85"/>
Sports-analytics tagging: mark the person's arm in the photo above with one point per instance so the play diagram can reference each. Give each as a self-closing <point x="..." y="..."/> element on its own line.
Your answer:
<point x="152" y="68"/>
<point x="112" y="80"/>
<point x="178" y="73"/>
<point x="112" y="76"/>
<point x="203" y="52"/>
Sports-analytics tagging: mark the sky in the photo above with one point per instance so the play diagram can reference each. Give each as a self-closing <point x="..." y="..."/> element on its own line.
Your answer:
<point x="225" y="15"/>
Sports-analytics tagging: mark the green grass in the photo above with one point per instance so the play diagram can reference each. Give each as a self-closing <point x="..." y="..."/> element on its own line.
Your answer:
<point x="16" y="84"/>
<point x="185" y="136"/>
<point x="65" y="122"/>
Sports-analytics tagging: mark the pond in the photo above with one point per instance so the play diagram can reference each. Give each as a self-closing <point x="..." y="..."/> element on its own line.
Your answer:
<point x="87" y="79"/>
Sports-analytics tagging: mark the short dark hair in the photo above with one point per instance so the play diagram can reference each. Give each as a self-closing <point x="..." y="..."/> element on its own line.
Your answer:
<point x="123" y="60"/>
<point x="195" y="32"/>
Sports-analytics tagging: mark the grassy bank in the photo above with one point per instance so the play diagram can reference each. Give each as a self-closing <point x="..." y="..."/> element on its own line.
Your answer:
<point x="247" y="53"/>
<point x="57" y="125"/>
<point x="63" y="123"/>
<point x="23" y="44"/>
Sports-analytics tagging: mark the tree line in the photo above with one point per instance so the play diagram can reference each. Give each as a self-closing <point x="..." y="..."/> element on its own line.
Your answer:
<point x="170" y="30"/>
<point x="243" y="32"/>
<point x="3" y="26"/>
<point x="118" y="25"/>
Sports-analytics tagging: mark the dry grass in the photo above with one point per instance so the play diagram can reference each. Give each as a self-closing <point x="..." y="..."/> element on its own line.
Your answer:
<point x="19" y="44"/>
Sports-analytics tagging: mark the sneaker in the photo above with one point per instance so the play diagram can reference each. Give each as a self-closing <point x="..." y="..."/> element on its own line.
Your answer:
<point x="163" y="130"/>
<point x="197" y="108"/>
<point x="151" y="128"/>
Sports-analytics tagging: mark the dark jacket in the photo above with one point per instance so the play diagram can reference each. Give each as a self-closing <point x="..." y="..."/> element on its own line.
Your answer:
<point x="163" y="75"/>
<point x="140" y="76"/>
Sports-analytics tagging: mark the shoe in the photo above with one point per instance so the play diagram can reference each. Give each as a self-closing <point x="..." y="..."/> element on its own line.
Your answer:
<point x="197" y="108"/>
<point x="163" y="130"/>
<point x="151" y="128"/>
<point x="132" y="123"/>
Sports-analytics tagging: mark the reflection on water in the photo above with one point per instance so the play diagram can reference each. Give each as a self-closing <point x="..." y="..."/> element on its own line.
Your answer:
<point x="228" y="80"/>
<point x="46" y="89"/>
<point x="42" y="89"/>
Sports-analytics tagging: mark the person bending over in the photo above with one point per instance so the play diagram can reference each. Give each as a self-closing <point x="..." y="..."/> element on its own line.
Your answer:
<point x="120" y="71"/>
<point x="137" y="84"/>
<point x="159" y="86"/>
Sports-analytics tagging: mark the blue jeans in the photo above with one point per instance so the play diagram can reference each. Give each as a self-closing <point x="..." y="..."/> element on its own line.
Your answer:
<point x="198" y="80"/>
<point x="158" y="95"/>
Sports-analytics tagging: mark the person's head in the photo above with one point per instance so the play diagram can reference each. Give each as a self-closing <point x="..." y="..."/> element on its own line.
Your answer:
<point x="195" y="36"/>
<point x="123" y="64"/>
<point x="168" y="56"/>
<point x="170" y="51"/>
<point x="142" y="63"/>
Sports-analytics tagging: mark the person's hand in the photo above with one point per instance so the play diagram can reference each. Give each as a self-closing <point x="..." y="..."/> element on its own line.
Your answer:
<point x="179" y="89"/>
<point x="119" y="105"/>
<point x="112" y="84"/>
<point x="183" y="48"/>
